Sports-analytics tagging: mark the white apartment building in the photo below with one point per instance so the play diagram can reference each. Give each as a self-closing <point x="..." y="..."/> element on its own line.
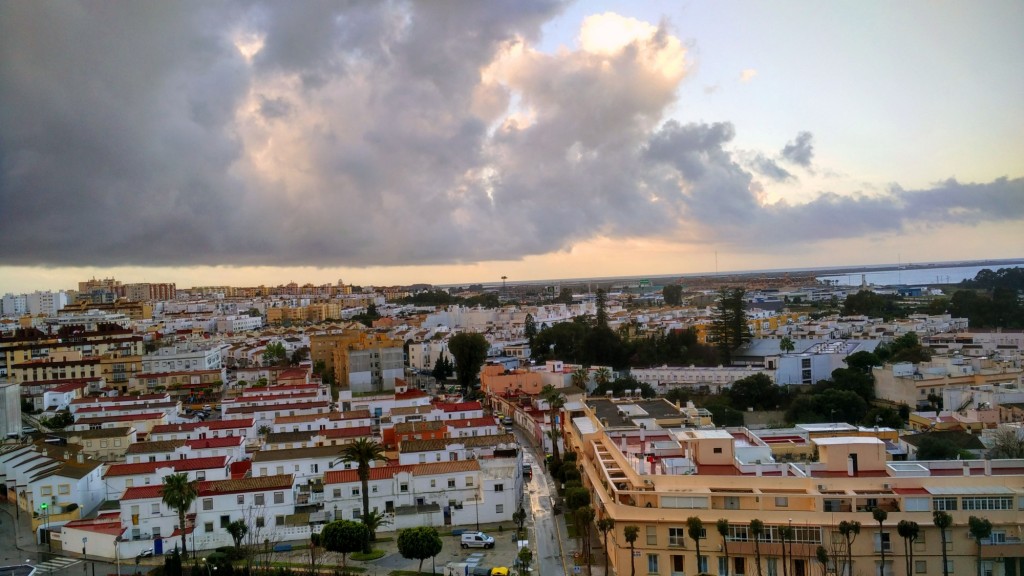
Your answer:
<point x="718" y="378"/>
<point x="232" y="447"/>
<point x="182" y="358"/>
<point x="424" y="355"/>
<point x="455" y="449"/>
<point x="236" y="323"/>
<point x="321" y="422"/>
<point x="265" y="415"/>
<point x="262" y="502"/>
<point x="304" y="464"/>
<point x="14" y="305"/>
<point x="45" y="303"/>
<point x="243" y="427"/>
<point x="818" y="361"/>
<point x="119" y="477"/>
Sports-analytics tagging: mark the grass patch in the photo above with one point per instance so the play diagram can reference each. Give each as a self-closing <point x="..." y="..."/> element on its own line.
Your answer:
<point x="373" y="555"/>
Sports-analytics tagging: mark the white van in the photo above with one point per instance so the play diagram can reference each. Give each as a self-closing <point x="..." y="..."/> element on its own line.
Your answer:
<point x="477" y="540"/>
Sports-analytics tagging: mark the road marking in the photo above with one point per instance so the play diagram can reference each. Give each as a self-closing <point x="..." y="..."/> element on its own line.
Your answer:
<point x="55" y="564"/>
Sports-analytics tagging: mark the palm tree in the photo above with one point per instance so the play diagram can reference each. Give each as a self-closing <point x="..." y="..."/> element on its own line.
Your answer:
<point x="756" y="532"/>
<point x="909" y="531"/>
<point x="605" y="525"/>
<point x="602" y="376"/>
<point x="362" y="453"/>
<point x="555" y="402"/>
<point x="723" y="530"/>
<point x="980" y="529"/>
<point x="580" y="376"/>
<point x="375" y="520"/>
<point x="880" y="516"/>
<point x="237" y="529"/>
<point x="849" y="531"/>
<point x="694" y="527"/>
<point x="786" y="533"/>
<point x="631" y="533"/>
<point x="584" y="518"/>
<point x="943" y="521"/>
<point x="178" y="492"/>
<point x="786" y="344"/>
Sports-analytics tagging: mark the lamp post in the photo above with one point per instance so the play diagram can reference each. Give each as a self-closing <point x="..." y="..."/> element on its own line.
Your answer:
<point x="85" y="559"/>
<point x="46" y="525"/>
<point x="479" y="496"/>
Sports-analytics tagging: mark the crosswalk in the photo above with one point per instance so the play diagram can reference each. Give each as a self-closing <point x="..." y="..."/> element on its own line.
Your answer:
<point x="55" y="564"/>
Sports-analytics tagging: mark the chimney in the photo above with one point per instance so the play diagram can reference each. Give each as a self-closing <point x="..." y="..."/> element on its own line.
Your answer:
<point x="967" y="468"/>
<point x="988" y="466"/>
<point x="81" y="458"/>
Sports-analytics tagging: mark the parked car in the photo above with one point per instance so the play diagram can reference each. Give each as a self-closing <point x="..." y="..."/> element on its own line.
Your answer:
<point x="477" y="540"/>
<point x="207" y="408"/>
<point x="146" y="553"/>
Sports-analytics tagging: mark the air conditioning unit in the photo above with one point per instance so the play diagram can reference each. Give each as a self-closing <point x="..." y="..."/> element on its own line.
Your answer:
<point x="886" y="486"/>
<point x="822" y="488"/>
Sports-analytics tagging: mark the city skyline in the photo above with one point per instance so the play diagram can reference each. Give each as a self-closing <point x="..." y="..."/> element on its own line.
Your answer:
<point x="259" y="143"/>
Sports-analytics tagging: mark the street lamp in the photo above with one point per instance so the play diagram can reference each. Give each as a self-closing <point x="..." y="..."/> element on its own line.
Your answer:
<point x="117" y="553"/>
<point x="46" y="525"/>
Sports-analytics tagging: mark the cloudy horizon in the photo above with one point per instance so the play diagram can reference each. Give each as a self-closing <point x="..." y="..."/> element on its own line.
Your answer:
<point x="257" y="142"/>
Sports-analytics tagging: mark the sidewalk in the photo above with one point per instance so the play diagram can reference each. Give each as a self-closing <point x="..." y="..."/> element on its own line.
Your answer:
<point x="17" y="522"/>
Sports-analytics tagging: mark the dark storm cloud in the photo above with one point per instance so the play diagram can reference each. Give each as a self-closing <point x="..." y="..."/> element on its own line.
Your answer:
<point x="374" y="133"/>
<point x="801" y="150"/>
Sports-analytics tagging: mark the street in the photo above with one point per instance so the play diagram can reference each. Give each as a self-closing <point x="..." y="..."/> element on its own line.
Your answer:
<point x="549" y="537"/>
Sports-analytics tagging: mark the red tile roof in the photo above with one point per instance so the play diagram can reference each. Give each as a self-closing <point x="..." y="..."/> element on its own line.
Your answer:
<point x="459" y="406"/>
<point x="119" y="399"/>
<point x="410" y="394"/>
<point x="225" y="442"/>
<point x="215" y="487"/>
<point x="378" y="473"/>
<point x="121" y="418"/>
<point x="176" y="465"/>
<point x="211" y="425"/>
<point x="347" y="432"/>
<point x="473" y="422"/>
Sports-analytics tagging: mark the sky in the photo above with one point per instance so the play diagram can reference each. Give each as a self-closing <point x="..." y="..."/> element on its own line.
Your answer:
<point x="253" y="142"/>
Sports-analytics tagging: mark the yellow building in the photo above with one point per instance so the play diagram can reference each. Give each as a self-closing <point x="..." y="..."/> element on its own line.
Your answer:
<point x="653" y="479"/>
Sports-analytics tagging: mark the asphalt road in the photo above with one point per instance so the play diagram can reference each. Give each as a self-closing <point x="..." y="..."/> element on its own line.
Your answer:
<point x="550" y="544"/>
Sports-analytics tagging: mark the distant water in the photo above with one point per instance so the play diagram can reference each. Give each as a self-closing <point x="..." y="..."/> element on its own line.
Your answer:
<point x="916" y="277"/>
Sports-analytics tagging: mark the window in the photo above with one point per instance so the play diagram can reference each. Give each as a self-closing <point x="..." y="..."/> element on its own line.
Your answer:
<point x="677" y="537"/>
<point x="678" y="563"/>
<point x="652" y="535"/>
<point x="355" y="491"/>
<point x="201" y="475"/>
<point x="373" y="488"/>
<point x="260" y="523"/>
<point x="208" y="527"/>
<point x="403" y="487"/>
<point x="280" y="469"/>
<point x="279" y="520"/>
<point x="723" y="566"/>
<point x="469" y="481"/>
<point x="738" y="533"/>
<point x="433" y="483"/>
<point x="920" y="566"/>
<point x="156" y="532"/>
<point x="499" y="508"/>
<point x="717" y="450"/>
<point x="499" y="487"/>
<point x="739" y="565"/>
<point x="949" y="567"/>
<point x="225" y="520"/>
<point x="944" y="503"/>
<point x="773" y="567"/>
<point x="988" y="502"/>
<point x="781" y="502"/>
<point x="451" y="482"/>
<point x="278" y="497"/>
<point x="46" y="490"/>
<point x="355" y="514"/>
<point x="240" y="499"/>
<point x="64" y="489"/>
<point x="702" y="564"/>
<point x="882" y="542"/>
<point x="155" y="508"/>
<point x="207" y="503"/>
<point x="258" y="499"/>
<point x="652" y="563"/>
<point x="337" y="492"/>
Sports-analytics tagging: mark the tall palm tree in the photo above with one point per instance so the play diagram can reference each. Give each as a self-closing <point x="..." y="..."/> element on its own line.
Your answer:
<point x="849" y="531"/>
<point x="694" y="527"/>
<point x="631" y="533"/>
<point x="980" y="529"/>
<point x="786" y="533"/>
<point x="756" y="532"/>
<point x="602" y="376"/>
<point x="584" y="518"/>
<point x="786" y="344"/>
<point x="908" y="530"/>
<point x="722" y="525"/>
<point x="880" y="516"/>
<point x="178" y="492"/>
<point x="362" y="453"/>
<point x="555" y="402"/>
<point x="605" y="525"/>
<point x="821" y="553"/>
<point x="943" y="521"/>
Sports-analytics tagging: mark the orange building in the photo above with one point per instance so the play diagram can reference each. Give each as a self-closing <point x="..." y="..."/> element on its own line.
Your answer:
<point x="497" y="381"/>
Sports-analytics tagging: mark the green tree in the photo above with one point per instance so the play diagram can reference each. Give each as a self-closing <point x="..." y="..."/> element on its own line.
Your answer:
<point x="580" y="376"/>
<point x="470" y="352"/>
<point x="694" y="529"/>
<point x="821" y="553"/>
<point x="1007" y="443"/>
<point x="729" y="323"/>
<point x="345" y="537"/>
<point x="862" y="361"/>
<point x="602" y="376"/>
<point x="564" y="297"/>
<point x="363" y="452"/>
<point x="980" y="529"/>
<point x="943" y="521"/>
<point x="375" y="520"/>
<point x="555" y="401"/>
<point x="525" y="558"/>
<point x="530" y="328"/>
<point x="178" y="493"/>
<point x="275" y="354"/>
<point x="757" y="391"/>
<point x="419" y="543"/>
<point x="909" y="531"/>
<point x="880" y="516"/>
<point x="849" y="531"/>
<point x="519" y="517"/>
<point x="584" y="520"/>
<point x="237" y="529"/>
<point x="786" y="344"/>
<point x="605" y="525"/>
<point x="673" y="294"/>
<point x="932" y="447"/>
<point x="722" y="525"/>
<point x="757" y="533"/>
<point x="631" y="533"/>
